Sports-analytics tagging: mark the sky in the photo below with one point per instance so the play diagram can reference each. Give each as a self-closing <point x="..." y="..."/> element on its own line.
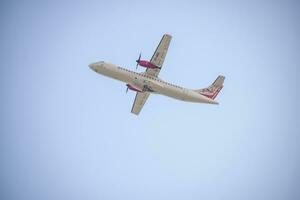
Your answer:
<point x="67" y="132"/>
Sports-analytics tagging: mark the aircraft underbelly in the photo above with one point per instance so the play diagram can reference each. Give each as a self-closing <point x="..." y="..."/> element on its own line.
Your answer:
<point x="156" y="87"/>
<point x="183" y="94"/>
<point x="120" y="75"/>
<point x="173" y="93"/>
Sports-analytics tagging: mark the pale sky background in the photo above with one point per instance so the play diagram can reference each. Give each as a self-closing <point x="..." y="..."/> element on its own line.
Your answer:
<point x="67" y="132"/>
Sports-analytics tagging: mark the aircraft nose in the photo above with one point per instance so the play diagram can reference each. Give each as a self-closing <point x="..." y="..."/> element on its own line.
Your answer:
<point x="92" y="66"/>
<point x="96" y="66"/>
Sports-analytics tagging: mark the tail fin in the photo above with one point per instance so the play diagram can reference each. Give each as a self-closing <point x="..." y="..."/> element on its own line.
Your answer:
<point x="213" y="90"/>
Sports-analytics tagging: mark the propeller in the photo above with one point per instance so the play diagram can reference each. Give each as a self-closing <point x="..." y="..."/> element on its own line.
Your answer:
<point x="138" y="60"/>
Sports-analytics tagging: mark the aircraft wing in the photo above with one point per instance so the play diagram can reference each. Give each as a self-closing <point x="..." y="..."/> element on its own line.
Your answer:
<point x="139" y="101"/>
<point x="159" y="55"/>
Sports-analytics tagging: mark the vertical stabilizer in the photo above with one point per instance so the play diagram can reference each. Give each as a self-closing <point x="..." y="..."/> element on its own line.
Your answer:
<point x="213" y="90"/>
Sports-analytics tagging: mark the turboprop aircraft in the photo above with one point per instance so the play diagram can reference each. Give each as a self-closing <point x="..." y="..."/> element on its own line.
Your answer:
<point x="148" y="82"/>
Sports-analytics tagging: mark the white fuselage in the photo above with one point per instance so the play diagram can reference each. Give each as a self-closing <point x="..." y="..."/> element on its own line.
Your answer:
<point x="147" y="83"/>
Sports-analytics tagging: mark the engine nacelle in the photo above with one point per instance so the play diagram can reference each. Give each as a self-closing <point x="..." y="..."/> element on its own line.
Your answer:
<point x="134" y="88"/>
<point x="146" y="64"/>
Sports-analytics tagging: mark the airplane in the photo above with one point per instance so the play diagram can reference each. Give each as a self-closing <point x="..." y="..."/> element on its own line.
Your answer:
<point x="148" y="82"/>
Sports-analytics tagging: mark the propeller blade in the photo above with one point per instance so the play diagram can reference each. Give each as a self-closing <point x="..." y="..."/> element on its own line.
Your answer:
<point x="138" y="60"/>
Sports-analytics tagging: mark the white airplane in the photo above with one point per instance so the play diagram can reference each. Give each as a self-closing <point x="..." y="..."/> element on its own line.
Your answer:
<point x="148" y="82"/>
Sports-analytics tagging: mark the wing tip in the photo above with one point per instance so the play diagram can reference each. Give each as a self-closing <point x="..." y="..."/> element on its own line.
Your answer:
<point x="168" y="35"/>
<point x="135" y="113"/>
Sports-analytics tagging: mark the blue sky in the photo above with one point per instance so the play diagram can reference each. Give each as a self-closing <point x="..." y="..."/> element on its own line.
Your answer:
<point x="67" y="132"/>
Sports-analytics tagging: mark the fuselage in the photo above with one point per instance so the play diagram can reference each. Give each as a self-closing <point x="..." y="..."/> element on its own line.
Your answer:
<point x="148" y="83"/>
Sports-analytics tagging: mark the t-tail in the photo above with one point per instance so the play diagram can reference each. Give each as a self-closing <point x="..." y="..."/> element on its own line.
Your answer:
<point x="213" y="90"/>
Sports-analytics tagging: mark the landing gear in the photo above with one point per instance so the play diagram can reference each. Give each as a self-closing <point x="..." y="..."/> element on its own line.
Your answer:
<point x="146" y="88"/>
